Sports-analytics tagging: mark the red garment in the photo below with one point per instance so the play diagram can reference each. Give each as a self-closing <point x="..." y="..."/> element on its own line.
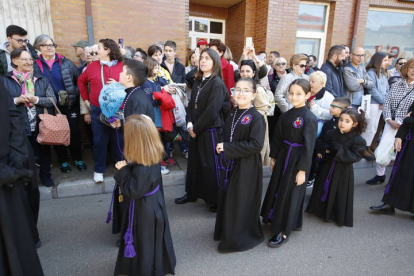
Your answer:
<point x="228" y="74"/>
<point x="166" y="107"/>
<point x="92" y="75"/>
<point x="312" y="97"/>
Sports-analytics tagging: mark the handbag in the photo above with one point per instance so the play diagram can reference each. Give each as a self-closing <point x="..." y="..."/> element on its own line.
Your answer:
<point x="53" y="130"/>
<point x="63" y="95"/>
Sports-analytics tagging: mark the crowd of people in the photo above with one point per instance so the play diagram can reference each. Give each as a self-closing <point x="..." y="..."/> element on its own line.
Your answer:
<point x="229" y="119"/>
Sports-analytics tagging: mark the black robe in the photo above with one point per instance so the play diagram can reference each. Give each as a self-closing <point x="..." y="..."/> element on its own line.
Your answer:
<point x="18" y="255"/>
<point x="213" y="106"/>
<point x="238" y="214"/>
<point x="339" y="204"/>
<point x="401" y="187"/>
<point x="283" y="197"/>
<point x="152" y="238"/>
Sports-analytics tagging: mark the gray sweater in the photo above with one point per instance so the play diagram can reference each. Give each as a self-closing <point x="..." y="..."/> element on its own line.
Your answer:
<point x="355" y="90"/>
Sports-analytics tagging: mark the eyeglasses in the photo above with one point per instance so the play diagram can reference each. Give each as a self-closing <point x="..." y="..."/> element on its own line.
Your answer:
<point x="337" y="106"/>
<point x="281" y="64"/>
<point x="242" y="92"/>
<point x="21" y="41"/>
<point x="138" y="56"/>
<point x="302" y="65"/>
<point x="51" y="46"/>
<point x="30" y="60"/>
<point x="360" y="56"/>
<point x="93" y="53"/>
<point x="401" y="64"/>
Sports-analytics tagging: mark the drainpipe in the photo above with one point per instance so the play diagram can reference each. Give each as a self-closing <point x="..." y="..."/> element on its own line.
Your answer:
<point x="356" y="20"/>
<point x="89" y="21"/>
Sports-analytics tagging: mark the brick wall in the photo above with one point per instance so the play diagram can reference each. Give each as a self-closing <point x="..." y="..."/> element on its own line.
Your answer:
<point x="235" y="29"/>
<point x="140" y="23"/>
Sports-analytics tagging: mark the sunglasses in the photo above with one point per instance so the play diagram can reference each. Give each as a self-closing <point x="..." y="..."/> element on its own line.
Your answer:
<point x="302" y="65"/>
<point x="401" y="64"/>
<point x="93" y="53"/>
<point x="281" y="64"/>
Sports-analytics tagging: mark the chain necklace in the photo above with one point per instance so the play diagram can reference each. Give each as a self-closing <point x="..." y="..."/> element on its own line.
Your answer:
<point x="127" y="98"/>
<point x="234" y="123"/>
<point x="199" y="90"/>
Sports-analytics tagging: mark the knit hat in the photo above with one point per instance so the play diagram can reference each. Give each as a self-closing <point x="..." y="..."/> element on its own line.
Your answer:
<point x="202" y="42"/>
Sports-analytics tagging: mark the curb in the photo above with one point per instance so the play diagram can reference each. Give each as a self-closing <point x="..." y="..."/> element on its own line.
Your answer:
<point x="89" y="187"/>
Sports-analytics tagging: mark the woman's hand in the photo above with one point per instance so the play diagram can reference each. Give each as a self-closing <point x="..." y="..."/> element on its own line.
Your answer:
<point x="220" y="147"/>
<point x="31" y="98"/>
<point x="87" y="118"/>
<point x="22" y="99"/>
<point x="381" y="107"/>
<point x="192" y="134"/>
<point x="272" y="163"/>
<point x="397" y="144"/>
<point x="394" y="124"/>
<point x="111" y="81"/>
<point x="319" y="155"/>
<point x="300" y="178"/>
<point x="120" y="164"/>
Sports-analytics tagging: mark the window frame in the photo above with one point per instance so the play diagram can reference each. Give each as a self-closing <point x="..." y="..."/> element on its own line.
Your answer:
<point x="317" y="35"/>
<point x="193" y="35"/>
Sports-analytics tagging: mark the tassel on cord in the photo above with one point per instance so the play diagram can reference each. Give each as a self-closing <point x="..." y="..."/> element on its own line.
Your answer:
<point x="129" y="251"/>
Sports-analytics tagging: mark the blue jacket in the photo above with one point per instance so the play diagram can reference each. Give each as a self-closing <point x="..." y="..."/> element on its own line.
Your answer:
<point x="334" y="79"/>
<point x="380" y="89"/>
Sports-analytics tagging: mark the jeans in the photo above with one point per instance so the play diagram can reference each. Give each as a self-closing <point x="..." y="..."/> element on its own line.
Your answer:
<point x="104" y="135"/>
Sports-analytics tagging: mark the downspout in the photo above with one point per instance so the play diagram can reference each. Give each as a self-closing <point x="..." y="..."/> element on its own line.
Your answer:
<point x="356" y="21"/>
<point x="89" y="21"/>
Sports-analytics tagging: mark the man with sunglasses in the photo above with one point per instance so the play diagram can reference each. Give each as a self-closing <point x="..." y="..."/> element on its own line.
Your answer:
<point x="16" y="39"/>
<point x="356" y="77"/>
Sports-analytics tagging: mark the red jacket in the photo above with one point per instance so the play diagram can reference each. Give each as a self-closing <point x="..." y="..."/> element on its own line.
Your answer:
<point x="228" y="74"/>
<point x="92" y="75"/>
<point x="166" y="107"/>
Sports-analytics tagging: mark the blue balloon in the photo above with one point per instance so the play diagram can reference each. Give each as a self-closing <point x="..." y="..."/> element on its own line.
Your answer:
<point x="111" y="98"/>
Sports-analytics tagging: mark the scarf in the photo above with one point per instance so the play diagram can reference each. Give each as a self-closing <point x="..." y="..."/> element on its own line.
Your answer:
<point x="109" y="63"/>
<point x="26" y="82"/>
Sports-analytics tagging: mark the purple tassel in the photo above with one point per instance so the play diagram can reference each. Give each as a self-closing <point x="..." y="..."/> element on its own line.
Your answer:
<point x="270" y="216"/>
<point x="226" y="181"/>
<point x="129" y="251"/>
<point x="108" y="218"/>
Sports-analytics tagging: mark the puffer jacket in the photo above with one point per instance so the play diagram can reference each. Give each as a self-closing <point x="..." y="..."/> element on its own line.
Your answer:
<point x="69" y="72"/>
<point x="282" y="90"/>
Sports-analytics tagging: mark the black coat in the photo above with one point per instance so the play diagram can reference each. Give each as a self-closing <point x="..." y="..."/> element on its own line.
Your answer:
<point x="138" y="103"/>
<point x="18" y="255"/>
<point x="334" y="79"/>
<point x="178" y="74"/>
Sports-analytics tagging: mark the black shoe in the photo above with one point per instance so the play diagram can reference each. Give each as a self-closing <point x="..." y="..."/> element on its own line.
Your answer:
<point x="384" y="209"/>
<point x="80" y="165"/>
<point x="213" y="209"/>
<point x="185" y="199"/>
<point x="47" y="182"/>
<point x="278" y="240"/>
<point x="309" y="183"/>
<point x="378" y="179"/>
<point x="38" y="244"/>
<point x="65" y="168"/>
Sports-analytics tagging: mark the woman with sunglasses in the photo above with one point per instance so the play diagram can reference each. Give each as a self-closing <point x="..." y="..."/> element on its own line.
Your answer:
<point x="394" y="74"/>
<point x="298" y="65"/>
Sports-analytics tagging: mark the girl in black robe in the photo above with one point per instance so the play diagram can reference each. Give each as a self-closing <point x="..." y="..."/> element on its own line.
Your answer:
<point x="291" y="152"/>
<point x="147" y="247"/>
<point x="399" y="192"/>
<point x="238" y="214"/>
<point x="207" y="111"/>
<point x="332" y="197"/>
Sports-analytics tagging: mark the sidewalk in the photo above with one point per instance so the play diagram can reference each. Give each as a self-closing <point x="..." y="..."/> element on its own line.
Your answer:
<point x="81" y="183"/>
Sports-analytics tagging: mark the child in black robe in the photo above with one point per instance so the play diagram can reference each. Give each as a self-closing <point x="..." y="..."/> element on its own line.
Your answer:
<point x="291" y="151"/>
<point x="332" y="197"/>
<point x="238" y="214"/>
<point x="147" y="247"/>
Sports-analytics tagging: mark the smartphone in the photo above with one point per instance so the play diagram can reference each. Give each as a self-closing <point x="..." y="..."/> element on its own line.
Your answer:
<point x="197" y="52"/>
<point x="121" y="42"/>
<point x="249" y="42"/>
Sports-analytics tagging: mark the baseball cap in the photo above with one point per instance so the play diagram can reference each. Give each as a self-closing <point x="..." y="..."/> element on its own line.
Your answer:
<point x="81" y="43"/>
<point x="202" y="42"/>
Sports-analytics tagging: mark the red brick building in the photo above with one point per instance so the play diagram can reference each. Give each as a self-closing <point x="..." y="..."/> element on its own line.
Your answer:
<point x="287" y="26"/>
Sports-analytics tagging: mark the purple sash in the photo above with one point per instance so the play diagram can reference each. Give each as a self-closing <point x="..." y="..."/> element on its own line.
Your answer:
<point x="327" y="182"/>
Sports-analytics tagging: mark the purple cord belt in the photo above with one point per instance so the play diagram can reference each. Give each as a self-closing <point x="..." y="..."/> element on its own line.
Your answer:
<point x="291" y="146"/>
<point x="327" y="182"/>
<point x="397" y="162"/>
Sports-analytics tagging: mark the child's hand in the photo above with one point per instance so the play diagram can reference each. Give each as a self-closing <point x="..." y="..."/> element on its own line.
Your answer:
<point x="272" y="163"/>
<point x="220" y="147"/>
<point x="319" y="155"/>
<point x="300" y="178"/>
<point x="116" y="124"/>
<point x="397" y="144"/>
<point x="120" y="164"/>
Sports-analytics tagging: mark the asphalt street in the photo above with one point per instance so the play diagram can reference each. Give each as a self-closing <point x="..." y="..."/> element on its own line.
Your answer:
<point x="77" y="241"/>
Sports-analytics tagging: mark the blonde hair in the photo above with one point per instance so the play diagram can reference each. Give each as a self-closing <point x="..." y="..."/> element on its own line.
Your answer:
<point x="279" y="59"/>
<point x="227" y="54"/>
<point x="296" y="58"/>
<point x="319" y="75"/>
<point x="142" y="141"/>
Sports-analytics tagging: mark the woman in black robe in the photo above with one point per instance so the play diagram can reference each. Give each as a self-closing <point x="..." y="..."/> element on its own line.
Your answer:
<point x="207" y="111"/>
<point x="18" y="254"/>
<point x="238" y="214"/>
<point x="399" y="193"/>
<point x="332" y="196"/>
<point x="291" y="151"/>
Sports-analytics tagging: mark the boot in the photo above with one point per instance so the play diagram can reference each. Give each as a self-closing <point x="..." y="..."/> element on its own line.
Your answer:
<point x="383" y="209"/>
<point x="378" y="179"/>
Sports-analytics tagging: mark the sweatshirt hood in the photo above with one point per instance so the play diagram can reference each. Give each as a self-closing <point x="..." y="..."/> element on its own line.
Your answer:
<point x="4" y="46"/>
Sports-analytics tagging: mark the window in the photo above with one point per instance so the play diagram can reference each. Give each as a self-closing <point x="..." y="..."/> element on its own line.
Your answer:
<point x="205" y="28"/>
<point x="311" y="32"/>
<point x="389" y="31"/>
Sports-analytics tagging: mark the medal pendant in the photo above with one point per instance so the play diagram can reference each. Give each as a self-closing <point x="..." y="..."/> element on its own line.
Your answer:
<point x="121" y="198"/>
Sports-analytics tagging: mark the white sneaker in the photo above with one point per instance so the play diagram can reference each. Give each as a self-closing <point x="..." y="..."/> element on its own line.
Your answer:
<point x="164" y="171"/>
<point x="98" y="177"/>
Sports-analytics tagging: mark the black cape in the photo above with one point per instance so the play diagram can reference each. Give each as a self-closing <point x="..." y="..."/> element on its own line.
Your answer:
<point x="18" y="255"/>
<point x="151" y="229"/>
<point x="213" y="106"/>
<point x="283" y="196"/>
<point x="401" y="190"/>
<point x="339" y="205"/>
<point x="238" y="214"/>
